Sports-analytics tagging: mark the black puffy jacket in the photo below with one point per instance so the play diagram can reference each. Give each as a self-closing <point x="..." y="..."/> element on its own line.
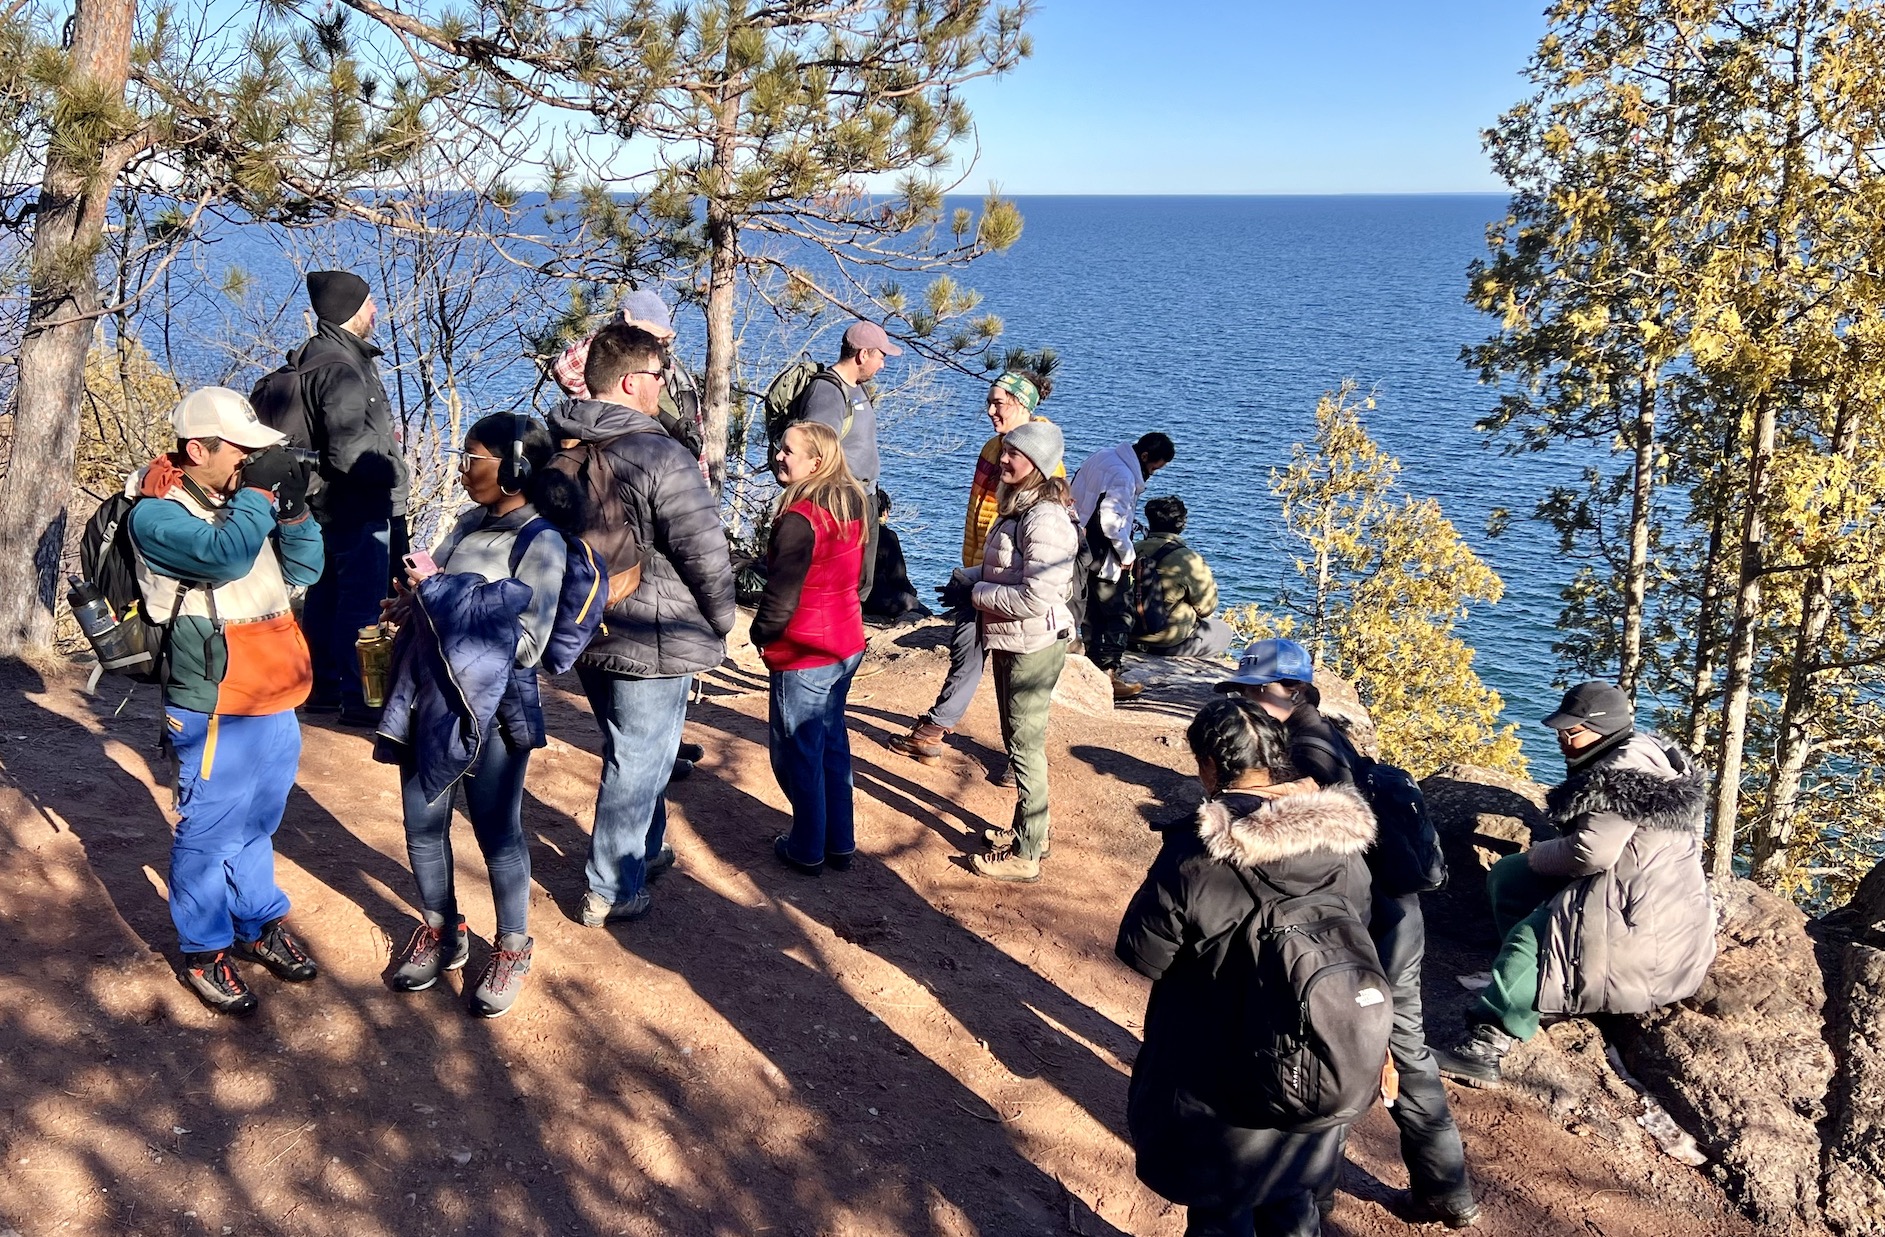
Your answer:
<point x="676" y="622"/>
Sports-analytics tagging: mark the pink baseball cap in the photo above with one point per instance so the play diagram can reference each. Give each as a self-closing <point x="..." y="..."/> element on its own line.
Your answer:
<point x="862" y="335"/>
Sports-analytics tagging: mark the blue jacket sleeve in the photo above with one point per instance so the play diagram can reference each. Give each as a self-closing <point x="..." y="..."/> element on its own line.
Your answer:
<point x="303" y="553"/>
<point x="179" y="545"/>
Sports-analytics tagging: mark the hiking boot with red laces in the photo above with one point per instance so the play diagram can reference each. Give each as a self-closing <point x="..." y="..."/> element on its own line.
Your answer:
<point x="503" y="977"/>
<point x="426" y="956"/>
<point x="924" y="743"/>
<point x="279" y="951"/>
<point x="213" y="977"/>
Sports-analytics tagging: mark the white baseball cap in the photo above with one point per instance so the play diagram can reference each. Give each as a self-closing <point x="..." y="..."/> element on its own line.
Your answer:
<point x="218" y="412"/>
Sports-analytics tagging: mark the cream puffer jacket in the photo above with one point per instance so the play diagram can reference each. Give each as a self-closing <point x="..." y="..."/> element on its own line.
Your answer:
<point x="1026" y="576"/>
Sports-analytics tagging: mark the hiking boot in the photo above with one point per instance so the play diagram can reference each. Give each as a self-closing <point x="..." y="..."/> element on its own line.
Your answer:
<point x="1007" y="865"/>
<point x="1475" y="1059"/>
<point x="503" y="977"/>
<point x="682" y="770"/>
<point x="692" y="752"/>
<point x="425" y="958"/>
<point x="923" y="744"/>
<point x="280" y="952"/>
<point x="785" y="856"/>
<point x="213" y="977"/>
<point x="1456" y="1211"/>
<point x="1004" y="839"/>
<point x="660" y="861"/>
<point x="839" y="861"/>
<point x="596" y="912"/>
<point x="1004" y="776"/>
<point x="1122" y="690"/>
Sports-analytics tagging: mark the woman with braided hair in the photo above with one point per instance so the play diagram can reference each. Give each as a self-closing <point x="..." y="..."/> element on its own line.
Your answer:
<point x="1181" y="931"/>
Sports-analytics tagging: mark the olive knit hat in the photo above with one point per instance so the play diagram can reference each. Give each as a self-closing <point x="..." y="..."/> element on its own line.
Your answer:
<point x="1041" y="442"/>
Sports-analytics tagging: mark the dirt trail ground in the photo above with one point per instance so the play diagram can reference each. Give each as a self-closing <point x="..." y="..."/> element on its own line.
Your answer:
<point x="901" y="1049"/>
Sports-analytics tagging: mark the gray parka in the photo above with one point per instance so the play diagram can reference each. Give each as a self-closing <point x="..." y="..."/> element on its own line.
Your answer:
<point x="676" y="622"/>
<point x="1635" y="928"/>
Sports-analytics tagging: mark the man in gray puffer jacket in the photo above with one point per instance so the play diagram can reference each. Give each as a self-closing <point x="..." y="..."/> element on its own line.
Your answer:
<point x="1611" y="916"/>
<point x="637" y="670"/>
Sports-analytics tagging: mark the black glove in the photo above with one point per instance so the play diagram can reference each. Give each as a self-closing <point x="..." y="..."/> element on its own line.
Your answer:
<point x="282" y="477"/>
<point x="955" y="594"/>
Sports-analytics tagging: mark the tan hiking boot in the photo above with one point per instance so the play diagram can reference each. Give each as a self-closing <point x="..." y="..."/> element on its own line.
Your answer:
<point x="1122" y="690"/>
<point x="1006" y="865"/>
<point x="924" y="743"/>
<point x="1004" y="839"/>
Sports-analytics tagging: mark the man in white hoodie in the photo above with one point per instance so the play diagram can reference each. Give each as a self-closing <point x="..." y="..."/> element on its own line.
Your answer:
<point x="1106" y="494"/>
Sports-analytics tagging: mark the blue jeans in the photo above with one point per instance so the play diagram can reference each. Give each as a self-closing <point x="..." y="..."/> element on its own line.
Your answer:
<point x="494" y="799"/>
<point x="233" y="778"/>
<point x="811" y="757"/>
<point x="640" y="721"/>
<point x="346" y="598"/>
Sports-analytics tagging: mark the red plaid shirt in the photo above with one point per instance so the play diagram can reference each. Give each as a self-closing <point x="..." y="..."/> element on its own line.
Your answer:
<point x="568" y="369"/>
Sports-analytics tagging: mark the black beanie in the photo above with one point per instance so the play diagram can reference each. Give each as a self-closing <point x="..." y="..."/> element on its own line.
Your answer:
<point x="336" y="295"/>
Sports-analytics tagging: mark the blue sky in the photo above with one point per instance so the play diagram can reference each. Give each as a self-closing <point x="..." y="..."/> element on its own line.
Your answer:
<point x="1255" y="96"/>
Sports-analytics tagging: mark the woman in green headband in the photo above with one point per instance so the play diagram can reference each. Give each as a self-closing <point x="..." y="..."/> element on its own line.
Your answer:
<point x="1012" y="399"/>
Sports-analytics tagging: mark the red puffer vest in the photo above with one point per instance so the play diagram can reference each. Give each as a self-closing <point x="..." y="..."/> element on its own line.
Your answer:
<point x="828" y="625"/>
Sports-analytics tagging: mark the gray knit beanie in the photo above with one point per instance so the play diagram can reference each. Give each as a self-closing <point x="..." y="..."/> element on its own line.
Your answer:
<point x="1041" y="442"/>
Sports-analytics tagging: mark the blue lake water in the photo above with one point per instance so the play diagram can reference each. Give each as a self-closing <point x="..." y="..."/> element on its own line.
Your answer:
<point x="1218" y="320"/>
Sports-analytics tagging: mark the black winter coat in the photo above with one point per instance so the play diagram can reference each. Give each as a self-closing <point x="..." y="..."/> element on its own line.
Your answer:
<point x="363" y="466"/>
<point x="1178" y="932"/>
<point x="676" y="622"/>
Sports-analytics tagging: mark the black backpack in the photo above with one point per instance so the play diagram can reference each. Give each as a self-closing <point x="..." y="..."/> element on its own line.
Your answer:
<point x="1316" y="1012"/>
<point x="1406" y="856"/>
<point x="109" y="560"/>
<point x="280" y="400"/>
<point x="1151" y="614"/>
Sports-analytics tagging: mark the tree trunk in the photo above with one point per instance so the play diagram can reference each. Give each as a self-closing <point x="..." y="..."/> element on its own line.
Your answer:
<point x="1636" y="570"/>
<point x="68" y="229"/>
<point x="723" y="268"/>
<point x="1747" y="613"/>
<point x="1702" y="680"/>
<point x="1771" y="841"/>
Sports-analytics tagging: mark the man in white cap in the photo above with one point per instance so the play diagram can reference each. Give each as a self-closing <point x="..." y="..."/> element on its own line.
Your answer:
<point x="221" y="533"/>
<point x="837" y="398"/>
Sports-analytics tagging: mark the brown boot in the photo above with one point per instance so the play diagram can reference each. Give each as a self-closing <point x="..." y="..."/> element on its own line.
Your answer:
<point x="1122" y="690"/>
<point x="1007" y="865"/>
<point x="923" y="744"/>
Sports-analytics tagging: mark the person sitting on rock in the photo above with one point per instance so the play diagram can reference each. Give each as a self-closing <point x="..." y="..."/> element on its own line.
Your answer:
<point x="1612" y="915"/>
<point x="1175" y="592"/>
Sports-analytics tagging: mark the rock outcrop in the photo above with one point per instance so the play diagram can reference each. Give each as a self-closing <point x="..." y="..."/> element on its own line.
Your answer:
<point x="1854" y="1183"/>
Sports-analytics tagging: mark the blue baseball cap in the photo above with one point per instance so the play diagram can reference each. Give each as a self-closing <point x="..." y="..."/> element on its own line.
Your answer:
<point x="1271" y="661"/>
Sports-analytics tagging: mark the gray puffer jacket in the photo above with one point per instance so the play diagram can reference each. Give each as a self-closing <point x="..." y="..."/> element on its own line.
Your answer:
<point x="1635" y="929"/>
<point x="676" y="622"/>
<point x="1026" y="576"/>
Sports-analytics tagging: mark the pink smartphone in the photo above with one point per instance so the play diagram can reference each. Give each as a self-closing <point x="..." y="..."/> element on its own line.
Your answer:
<point x="420" y="564"/>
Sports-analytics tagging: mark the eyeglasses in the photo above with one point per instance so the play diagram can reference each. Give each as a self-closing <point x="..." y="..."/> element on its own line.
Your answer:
<point x="659" y="375"/>
<point x="467" y="458"/>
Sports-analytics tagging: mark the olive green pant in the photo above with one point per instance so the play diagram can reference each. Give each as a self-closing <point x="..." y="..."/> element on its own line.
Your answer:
<point x="1024" y="687"/>
<point x="1522" y="914"/>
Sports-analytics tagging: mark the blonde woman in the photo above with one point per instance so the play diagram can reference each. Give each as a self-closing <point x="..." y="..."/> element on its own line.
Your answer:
<point x="1020" y="598"/>
<point x="810" y="632"/>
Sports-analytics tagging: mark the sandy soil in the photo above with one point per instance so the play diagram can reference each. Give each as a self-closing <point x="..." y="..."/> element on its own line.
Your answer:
<point x="899" y="1049"/>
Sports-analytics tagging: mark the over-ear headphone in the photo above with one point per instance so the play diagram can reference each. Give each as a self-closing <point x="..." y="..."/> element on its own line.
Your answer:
<point x="520" y="466"/>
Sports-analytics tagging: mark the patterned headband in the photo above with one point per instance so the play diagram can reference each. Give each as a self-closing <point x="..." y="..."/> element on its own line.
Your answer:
<point x="1021" y="388"/>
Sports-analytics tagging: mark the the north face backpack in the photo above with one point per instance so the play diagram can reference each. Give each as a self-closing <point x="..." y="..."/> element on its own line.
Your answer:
<point x="587" y="463"/>
<point x="1316" y="1012"/>
<point x="1406" y="857"/>
<point x="109" y="560"/>
<point x="785" y="396"/>
<point x="579" y="605"/>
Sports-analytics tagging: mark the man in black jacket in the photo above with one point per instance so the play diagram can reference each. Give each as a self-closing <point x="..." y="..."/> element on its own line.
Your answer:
<point x="361" y="503"/>
<point x="1279" y="676"/>
<point x="637" y="671"/>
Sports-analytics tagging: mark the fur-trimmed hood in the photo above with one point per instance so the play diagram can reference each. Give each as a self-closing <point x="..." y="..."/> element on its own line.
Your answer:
<point x="1336" y="820"/>
<point x="1649" y="780"/>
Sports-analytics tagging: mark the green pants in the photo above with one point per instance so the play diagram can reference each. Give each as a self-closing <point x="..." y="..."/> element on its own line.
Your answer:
<point x="1024" y="687"/>
<point x="1521" y="914"/>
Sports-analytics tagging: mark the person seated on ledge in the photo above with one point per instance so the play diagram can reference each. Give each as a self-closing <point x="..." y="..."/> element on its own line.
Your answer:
<point x="892" y="598"/>
<point x="1176" y="593"/>
<point x="1613" y="915"/>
